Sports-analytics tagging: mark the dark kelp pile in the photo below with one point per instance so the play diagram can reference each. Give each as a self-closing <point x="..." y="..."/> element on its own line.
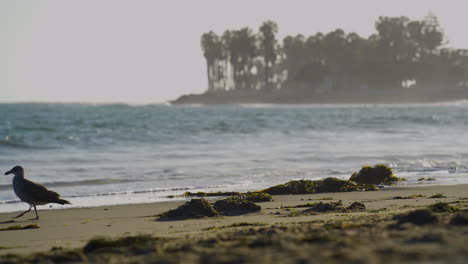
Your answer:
<point x="460" y="219"/>
<point x="318" y="186"/>
<point x="231" y="207"/>
<point x="379" y="174"/>
<point x="209" y="194"/>
<point x="364" y="180"/>
<point x="19" y="227"/>
<point x="417" y="217"/>
<point x="429" y="215"/>
<point x="330" y="207"/>
<point x="256" y="197"/>
<point x="325" y="207"/>
<point x="132" y="243"/>
<point x="199" y="208"/>
<point x="242" y="203"/>
<point x="195" y="208"/>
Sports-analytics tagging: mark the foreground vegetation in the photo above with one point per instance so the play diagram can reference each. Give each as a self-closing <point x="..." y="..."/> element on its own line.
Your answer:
<point x="436" y="234"/>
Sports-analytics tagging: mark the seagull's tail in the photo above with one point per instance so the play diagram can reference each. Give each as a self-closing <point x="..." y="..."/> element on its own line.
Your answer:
<point x="63" y="201"/>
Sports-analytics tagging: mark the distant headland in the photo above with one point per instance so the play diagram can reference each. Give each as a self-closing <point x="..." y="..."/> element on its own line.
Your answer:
<point x="403" y="61"/>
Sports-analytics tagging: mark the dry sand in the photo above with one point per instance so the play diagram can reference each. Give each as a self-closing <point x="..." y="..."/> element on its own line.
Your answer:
<point x="73" y="228"/>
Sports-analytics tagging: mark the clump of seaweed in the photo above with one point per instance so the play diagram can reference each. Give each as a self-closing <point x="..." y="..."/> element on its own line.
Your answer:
<point x="336" y="225"/>
<point x="337" y="185"/>
<point x="356" y="206"/>
<point x="256" y="197"/>
<point x="135" y="242"/>
<point x="300" y="205"/>
<point x="426" y="179"/>
<point x="241" y="224"/>
<point x="293" y="187"/>
<point x="460" y="219"/>
<point x="438" y="195"/>
<point x="209" y="194"/>
<point x="235" y="207"/>
<point x="417" y="217"/>
<point x="378" y="174"/>
<point x="318" y="186"/>
<point x="413" y="196"/>
<point x="19" y="227"/>
<point x="195" y="208"/>
<point x="325" y="207"/>
<point x="61" y="255"/>
<point x="321" y="207"/>
<point x="198" y="208"/>
<point x="442" y="208"/>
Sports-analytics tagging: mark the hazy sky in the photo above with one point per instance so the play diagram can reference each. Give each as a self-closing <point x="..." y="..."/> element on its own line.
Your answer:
<point x="149" y="51"/>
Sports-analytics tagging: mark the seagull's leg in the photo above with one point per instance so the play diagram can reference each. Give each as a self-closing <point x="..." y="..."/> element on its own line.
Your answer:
<point x="30" y="206"/>
<point x="37" y="216"/>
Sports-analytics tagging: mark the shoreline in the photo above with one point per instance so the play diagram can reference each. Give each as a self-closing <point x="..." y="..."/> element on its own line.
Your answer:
<point x="72" y="228"/>
<point x="403" y="96"/>
<point x="147" y="197"/>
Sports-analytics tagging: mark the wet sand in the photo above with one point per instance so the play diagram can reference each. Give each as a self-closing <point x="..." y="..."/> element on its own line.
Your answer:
<point x="71" y="229"/>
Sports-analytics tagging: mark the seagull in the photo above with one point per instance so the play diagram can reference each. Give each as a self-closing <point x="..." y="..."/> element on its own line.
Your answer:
<point x="31" y="192"/>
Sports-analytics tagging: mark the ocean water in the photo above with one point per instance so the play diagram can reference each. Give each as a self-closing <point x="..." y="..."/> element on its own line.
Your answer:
<point x="104" y="154"/>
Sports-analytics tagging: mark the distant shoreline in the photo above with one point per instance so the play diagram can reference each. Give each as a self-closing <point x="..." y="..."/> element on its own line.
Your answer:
<point x="402" y="96"/>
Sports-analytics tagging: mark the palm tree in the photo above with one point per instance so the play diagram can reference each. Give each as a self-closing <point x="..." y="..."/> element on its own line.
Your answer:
<point x="242" y="49"/>
<point x="213" y="50"/>
<point x="208" y="41"/>
<point x="268" y="45"/>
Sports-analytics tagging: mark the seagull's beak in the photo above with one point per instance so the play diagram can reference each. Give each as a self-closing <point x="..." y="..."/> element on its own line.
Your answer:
<point x="8" y="172"/>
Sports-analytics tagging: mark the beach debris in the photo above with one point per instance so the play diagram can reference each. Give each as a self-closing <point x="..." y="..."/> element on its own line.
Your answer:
<point x="318" y="186"/>
<point x="337" y="185"/>
<point x="413" y="196"/>
<point x="325" y="207"/>
<point x="235" y="207"/>
<point x="417" y="217"/>
<point x="356" y="206"/>
<point x="321" y="207"/>
<point x="426" y="179"/>
<point x="460" y="219"/>
<point x="438" y="195"/>
<point x="59" y="254"/>
<point x="256" y="197"/>
<point x="198" y="208"/>
<point x="139" y="242"/>
<point x="299" y="205"/>
<point x="19" y="227"/>
<point x="234" y="225"/>
<point x="379" y="174"/>
<point x="242" y="224"/>
<point x="442" y="208"/>
<point x="209" y="194"/>
<point x="195" y="208"/>
<point x="427" y="238"/>
<point x="293" y="187"/>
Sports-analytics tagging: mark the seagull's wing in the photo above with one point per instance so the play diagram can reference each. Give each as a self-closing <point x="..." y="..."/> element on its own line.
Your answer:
<point x="39" y="193"/>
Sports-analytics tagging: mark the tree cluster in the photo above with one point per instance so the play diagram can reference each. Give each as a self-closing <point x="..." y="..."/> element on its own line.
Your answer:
<point x="401" y="54"/>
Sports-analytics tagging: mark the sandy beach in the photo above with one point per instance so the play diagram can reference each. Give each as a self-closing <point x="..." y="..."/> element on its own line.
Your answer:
<point x="71" y="229"/>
